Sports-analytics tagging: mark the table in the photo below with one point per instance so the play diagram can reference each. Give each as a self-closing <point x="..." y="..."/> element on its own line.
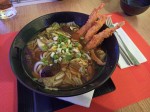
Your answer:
<point x="25" y="14"/>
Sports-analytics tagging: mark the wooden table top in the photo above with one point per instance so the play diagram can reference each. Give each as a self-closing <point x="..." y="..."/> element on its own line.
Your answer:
<point x="25" y="14"/>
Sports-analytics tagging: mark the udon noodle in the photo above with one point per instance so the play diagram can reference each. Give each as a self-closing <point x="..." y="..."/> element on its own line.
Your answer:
<point x="57" y="60"/>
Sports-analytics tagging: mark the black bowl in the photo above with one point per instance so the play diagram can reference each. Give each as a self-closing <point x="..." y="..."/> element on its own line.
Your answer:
<point x="35" y="26"/>
<point x="134" y="7"/>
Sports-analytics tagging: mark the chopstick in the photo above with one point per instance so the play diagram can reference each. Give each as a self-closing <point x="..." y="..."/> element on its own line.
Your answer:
<point x="125" y="56"/>
<point x="130" y="56"/>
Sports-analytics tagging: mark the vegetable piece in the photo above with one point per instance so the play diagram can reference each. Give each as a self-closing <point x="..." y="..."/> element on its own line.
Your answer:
<point x="36" y="66"/>
<point x="76" y="50"/>
<point x="35" y="79"/>
<point x="87" y="56"/>
<point x="54" y="26"/>
<point x="101" y="54"/>
<point x="78" y="55"/>
<point x="72" y="24"/>
<point x="55" y="38"/>
<point x="42" y="45"/>
<point x="65" y="34"/>
<point x="62" y="38"/>
<point x="53" y="48"/>
<point x="55" y="57"/>
<point x="53" y="81"/>
<point x="77" y="44"/>
<point x="49" y="71"/>
<point x="52" y="54"/>
<point x="46" y="72"/>
<point x="44" y="48"/>
<point x="84" y="56"/>
<point x="64" y="61"/>
<point x="45" y="61"/>
<point x="68" y="57"/>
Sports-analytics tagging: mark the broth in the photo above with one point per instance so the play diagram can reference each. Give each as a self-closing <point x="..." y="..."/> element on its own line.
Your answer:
<point x="56" y="60"/>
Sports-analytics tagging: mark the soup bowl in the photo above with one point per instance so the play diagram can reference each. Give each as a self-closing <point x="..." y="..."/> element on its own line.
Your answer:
<point x="134" y="7"/>
<point x="18" y="66"/>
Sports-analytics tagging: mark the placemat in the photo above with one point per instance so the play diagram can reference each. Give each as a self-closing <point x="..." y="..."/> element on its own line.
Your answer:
<point x="132" y="84"/>
<point x="8" y="83"/>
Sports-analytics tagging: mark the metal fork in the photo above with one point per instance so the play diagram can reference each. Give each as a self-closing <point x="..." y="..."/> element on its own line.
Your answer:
<point x="124" y="51"/>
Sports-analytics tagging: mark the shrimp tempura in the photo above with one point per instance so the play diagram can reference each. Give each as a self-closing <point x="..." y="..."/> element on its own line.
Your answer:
<point x="98" y="38"/>
<point x="92" y="18"/>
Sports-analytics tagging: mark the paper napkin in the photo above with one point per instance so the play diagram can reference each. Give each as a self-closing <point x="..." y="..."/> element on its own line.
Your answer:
<point x="82" y="100"/>
<point x="132" y="48"/>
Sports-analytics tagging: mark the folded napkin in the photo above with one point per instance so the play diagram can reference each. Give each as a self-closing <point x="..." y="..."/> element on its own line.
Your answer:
<point x="82" y="100"/>
<point x="132" y="48"/>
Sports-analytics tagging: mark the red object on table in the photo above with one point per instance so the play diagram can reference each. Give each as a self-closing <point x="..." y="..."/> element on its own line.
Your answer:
<point x="132" y="84"/>
<point x="8" y="83"/>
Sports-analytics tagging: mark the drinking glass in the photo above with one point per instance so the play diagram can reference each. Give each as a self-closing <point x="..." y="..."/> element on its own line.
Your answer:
<point x="6" y="9"/>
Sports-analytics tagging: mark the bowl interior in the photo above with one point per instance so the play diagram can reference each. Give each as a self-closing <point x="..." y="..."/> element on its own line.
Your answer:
<point x="37" y="25"/>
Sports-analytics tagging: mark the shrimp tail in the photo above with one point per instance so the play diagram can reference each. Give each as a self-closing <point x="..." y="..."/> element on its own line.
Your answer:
<point x="119" y="25"/>
<point x="92" y="18"/>
<point x="94" y="15"/>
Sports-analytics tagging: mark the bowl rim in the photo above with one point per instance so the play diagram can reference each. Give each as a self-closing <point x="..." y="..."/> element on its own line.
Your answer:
<point x="146" y="6"/>
<point x="45" y="93"/>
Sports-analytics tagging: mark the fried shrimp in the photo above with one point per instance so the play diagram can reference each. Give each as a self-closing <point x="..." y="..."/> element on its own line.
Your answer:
<point x="98" y="38"/>
<point x="92" y="18"/>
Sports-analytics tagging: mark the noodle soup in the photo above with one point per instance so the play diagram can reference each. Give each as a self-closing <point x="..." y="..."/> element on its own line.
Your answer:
<point x="59" y="61"/>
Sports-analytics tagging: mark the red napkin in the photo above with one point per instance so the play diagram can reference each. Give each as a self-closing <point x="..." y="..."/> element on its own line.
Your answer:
<point x="132" y="84"/>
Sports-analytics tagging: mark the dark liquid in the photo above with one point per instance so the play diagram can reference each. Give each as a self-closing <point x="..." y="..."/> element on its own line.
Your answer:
<point x="4" y="4"/>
